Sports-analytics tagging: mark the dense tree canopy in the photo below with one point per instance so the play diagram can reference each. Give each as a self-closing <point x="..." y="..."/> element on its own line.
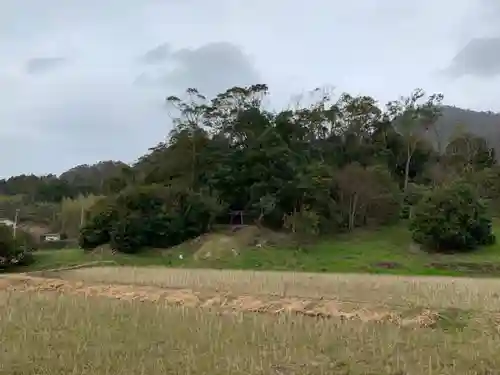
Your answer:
<point x="452" y="218"/>
<point x="333" y="164"/>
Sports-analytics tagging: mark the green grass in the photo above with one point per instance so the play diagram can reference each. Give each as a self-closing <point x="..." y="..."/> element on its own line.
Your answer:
<point x="386" y="250"/>
<point x="52" y="259"/>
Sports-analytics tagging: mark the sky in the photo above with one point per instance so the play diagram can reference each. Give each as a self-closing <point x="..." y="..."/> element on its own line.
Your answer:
<point x="84" y="81"/>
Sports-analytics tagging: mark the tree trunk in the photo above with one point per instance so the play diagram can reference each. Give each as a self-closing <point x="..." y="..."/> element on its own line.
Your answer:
<point x="294" y="217"/>
<point x="352" y="211"/>
<point x="407" y="166"/>
<point x="193" y="161"/>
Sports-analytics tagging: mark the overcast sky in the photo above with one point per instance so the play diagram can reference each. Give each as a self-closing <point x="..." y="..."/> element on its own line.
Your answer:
<point x="83" y="81"/>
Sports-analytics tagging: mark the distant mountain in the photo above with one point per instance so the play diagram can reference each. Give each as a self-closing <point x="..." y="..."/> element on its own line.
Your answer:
<point x="92" y="176"/>
<point x="483" y="124"/>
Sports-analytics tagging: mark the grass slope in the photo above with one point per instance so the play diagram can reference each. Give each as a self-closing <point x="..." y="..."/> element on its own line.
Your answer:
<point x="387" y="250"/>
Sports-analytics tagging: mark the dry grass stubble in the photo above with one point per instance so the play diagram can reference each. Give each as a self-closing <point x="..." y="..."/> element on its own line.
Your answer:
<point x="431" y="292"/>
<point x="72" y="326"/>
<point x="223" y="302"/>
<point x="65" y="334"/>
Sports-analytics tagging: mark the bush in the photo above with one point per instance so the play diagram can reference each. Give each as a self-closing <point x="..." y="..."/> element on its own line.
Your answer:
<point x="413" y="194"/>
<point x="97" y="228"/>
<point x="367" y="196"/>
<point x="452" y="218"/>
<point x="7" y="243"/>
<point x="13" y="252"/>
<point x="129" y="233"/>
<point x="26" y="241"/>
<point x="304" y="222"/>
<point x="149" y="216"/>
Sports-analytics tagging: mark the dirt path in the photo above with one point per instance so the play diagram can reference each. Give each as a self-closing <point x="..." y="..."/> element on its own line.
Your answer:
<point x="223" y="302"/>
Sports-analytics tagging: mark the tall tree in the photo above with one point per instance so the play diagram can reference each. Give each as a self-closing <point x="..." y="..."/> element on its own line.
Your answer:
<point x="413" y="118"/>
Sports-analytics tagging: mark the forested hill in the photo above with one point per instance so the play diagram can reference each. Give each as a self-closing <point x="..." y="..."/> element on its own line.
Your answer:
<point x="483" y="124"/>
<point x="96" y="178"/>
<point x="82" y="179"/>
<point x="256" y="160"/>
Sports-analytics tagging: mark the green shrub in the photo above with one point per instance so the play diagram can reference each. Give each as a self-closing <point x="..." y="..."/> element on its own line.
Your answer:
<point x="129" y="233"/>
<point x="452" y="218"/>
<point x="412" y="196"/>
<point x="13" y="252"/>
<point x="7" y="243"/>
<point x="26" y="240"/>
<point x="149" y="216"/>
<point x="97" y="228"/>
<point x="304" y="222"/>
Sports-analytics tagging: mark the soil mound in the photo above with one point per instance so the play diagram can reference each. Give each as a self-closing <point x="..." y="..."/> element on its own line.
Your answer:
<point x="232" y="241"/>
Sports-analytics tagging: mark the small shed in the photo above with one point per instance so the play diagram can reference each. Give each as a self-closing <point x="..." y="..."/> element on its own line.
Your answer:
<point x="50" y="237"/>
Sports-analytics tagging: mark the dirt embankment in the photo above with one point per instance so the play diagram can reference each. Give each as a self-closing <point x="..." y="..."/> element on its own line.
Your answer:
<point x="221" y="302"/>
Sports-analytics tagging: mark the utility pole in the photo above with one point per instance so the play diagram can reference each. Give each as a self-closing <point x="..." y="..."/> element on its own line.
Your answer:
<point x="16" y="218"/>
<point x="82" y="215"/>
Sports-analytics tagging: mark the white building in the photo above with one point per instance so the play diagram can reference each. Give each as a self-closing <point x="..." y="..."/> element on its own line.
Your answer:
<point x="7" y="222"/>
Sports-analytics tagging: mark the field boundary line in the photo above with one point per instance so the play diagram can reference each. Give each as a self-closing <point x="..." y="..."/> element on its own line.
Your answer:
<point x="221" y="303"/>
<point x="75" y="267"/>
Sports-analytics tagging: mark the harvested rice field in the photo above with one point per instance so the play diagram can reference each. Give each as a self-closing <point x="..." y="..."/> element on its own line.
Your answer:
<point x="126" y="320"/>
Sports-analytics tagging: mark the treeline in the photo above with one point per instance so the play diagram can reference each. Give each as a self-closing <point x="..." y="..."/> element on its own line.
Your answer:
<point x="328" y="166"/>
<point x="81" y="180"/>
<point x="55" y="203"/>
<point x="325" y="166"/>
<point x="65" y="217"/>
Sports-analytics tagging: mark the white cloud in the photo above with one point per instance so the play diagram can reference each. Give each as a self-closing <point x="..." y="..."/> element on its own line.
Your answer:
<point x="96" y="104"/>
